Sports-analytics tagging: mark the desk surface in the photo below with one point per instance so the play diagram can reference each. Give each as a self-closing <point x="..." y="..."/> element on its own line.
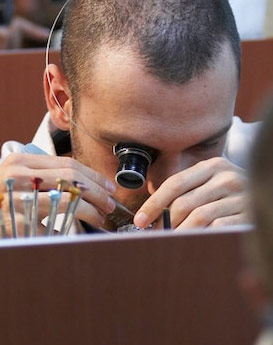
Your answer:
<point x="158" y="289"/>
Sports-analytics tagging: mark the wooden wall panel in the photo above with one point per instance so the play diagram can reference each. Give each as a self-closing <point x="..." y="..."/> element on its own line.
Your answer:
<point x="22" y="103"/>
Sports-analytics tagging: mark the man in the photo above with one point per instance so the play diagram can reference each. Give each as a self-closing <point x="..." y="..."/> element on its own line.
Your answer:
<point x="258" y="281"/>
<point x="159" y="74"/>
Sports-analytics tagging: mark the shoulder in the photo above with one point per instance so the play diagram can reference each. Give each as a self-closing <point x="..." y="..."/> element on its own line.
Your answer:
<point x="11" y="147"/>
<point x="266" y="338"/>
<point x="240" y="141"/>
<point x="243" y="128"/>
<point x="42" y="140"/>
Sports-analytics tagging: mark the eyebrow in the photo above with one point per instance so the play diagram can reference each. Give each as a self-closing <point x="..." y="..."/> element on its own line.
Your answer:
<point x="215" y="136"/>
<point x="113" y="139"/>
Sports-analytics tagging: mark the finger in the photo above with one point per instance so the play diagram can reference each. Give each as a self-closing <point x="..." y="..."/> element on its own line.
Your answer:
<point x="24" y="166"/>
<point x="204" y="215"/>
<point x="170" y="189"/>
<point x="89" y="214"/>
<point x="220" y="186"/>
<point x="85" y="210"/>
<point x="43" y="203"/>
<point x="236" y="219"/>
<point x="178" y="185"/>
<point x="95" y="194"/>
<point x="99" y="188"/>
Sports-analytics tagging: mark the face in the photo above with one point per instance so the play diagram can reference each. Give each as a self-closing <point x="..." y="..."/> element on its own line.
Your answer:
<point x="183" y="124"/>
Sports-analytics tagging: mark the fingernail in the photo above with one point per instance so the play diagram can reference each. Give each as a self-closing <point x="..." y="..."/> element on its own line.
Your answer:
<point x="110" y="187"/>
<point x="141" y="220"/>
<point x="111" y="205"/>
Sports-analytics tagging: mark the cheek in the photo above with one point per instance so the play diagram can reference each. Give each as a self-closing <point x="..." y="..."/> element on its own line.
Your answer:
<point x="95" y="156"/>
<point x="168" y="165"/>
<point x="103" y="162"/>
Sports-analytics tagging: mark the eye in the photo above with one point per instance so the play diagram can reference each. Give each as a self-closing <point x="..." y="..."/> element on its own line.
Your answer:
<point x="153" y="153"/>
<point x="210" y="145"/>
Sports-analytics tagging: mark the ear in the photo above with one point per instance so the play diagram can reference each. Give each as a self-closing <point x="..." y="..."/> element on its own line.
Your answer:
<point x="253" y="289"/>
<point x="58" y="97"/>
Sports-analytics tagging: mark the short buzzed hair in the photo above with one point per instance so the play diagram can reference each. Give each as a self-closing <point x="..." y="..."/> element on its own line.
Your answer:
<point x="260" y="242"/>
<point x="175" y="39"/>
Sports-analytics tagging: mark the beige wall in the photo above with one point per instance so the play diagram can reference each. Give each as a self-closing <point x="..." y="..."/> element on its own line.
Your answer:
<point x="269" y="19"/>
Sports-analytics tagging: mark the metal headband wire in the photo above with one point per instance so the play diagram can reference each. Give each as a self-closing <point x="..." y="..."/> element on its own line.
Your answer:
<point x="49" y="81"/>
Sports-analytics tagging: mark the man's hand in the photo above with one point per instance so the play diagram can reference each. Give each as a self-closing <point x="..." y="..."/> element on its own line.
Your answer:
<point x="211" y="193"/>
<point x="96" y="202"/>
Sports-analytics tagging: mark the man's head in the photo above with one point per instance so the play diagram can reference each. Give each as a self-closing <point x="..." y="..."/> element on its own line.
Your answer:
<point x="175" y="40"/>
<point x="163" y="74"/>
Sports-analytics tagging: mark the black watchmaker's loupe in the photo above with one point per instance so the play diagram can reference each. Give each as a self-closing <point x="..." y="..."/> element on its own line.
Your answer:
<point x="134" y="161"/>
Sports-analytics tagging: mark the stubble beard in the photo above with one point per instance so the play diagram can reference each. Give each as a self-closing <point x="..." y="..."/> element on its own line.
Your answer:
<point x="118" y="218"/>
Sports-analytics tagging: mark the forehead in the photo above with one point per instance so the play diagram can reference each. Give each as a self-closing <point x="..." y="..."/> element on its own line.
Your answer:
<point x="124" y="98"/>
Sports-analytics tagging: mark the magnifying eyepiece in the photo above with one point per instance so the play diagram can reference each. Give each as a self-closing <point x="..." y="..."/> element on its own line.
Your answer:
<point x="134" y="161"/>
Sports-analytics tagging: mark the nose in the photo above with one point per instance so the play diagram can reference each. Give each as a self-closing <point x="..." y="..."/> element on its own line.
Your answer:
<point x="164" y="167"/>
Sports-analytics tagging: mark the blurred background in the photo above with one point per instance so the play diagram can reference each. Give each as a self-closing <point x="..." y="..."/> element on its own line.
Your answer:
<point x="254" y="18"/>
<point x="24" y="30"/>
<point x="26" y="23"/>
